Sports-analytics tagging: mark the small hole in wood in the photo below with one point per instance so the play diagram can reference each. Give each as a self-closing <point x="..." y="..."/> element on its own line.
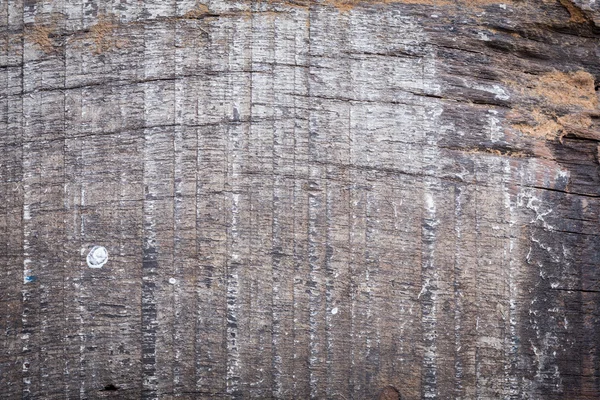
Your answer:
<point x="110" y="388"/>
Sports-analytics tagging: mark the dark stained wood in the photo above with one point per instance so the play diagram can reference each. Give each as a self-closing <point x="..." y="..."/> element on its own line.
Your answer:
<point x="327" y="199"/>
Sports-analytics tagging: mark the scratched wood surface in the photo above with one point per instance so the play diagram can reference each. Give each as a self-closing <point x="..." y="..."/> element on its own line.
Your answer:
<point x="300" y="199"/>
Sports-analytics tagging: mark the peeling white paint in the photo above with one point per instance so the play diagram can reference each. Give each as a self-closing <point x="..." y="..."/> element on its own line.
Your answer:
<point x="483" y="37"/>
<point x="561" y="173"/>
<point x="496" y="133"/>
<point x="429" y="203"/>
<point x="499" y="92"/>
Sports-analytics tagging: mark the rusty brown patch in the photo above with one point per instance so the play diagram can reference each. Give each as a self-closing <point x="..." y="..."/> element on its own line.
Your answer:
<point x="575" y="12"/>
<point x="537" y="124"/>
<point x="567" y="89"/>
<point x="198" y="12"/>
<point x="40" y="36"/>
<point x="564" y="100"/>
<point x="575" y="121"/>
<point x="103" y="35"/>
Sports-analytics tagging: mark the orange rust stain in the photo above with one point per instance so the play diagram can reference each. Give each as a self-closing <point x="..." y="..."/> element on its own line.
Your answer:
<point x="103" y="35"/>
<point x="539" y="125"/>
<point x="576" y="13"/>
<point x="564" y="102"/>
<point x="199" y="11"/>
<point x="567" y="89"/>
<point x="40" y="35"/>
<point x="551" y="127"/>
<point x="577" y="121"/>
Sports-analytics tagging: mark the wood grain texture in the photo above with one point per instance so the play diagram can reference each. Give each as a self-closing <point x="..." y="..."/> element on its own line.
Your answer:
<point x="300" y="199"/>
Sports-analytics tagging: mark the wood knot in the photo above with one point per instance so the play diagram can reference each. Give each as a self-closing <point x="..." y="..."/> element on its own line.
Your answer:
<point x="389" y="393"/>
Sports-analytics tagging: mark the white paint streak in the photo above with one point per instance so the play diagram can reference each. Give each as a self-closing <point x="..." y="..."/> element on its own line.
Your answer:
<point x="496" y="133"/>
<point x="429" y="203"/>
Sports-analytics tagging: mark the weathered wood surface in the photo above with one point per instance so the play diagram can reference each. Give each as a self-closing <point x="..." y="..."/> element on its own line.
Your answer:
<point x="300" y="199"/>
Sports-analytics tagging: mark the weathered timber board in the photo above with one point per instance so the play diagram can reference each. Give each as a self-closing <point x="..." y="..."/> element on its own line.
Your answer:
<point x="300" y="199"/>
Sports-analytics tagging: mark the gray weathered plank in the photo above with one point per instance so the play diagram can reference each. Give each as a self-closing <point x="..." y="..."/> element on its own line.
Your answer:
<point x="300" y="199"/>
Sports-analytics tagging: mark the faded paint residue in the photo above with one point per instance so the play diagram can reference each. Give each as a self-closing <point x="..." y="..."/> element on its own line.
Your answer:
<point x="538" y="125"/>
<point x="347" y="5"/>
<point x="546" y="126"/>
<point x="494" y="124"/>
<point x="97" y="257"/>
